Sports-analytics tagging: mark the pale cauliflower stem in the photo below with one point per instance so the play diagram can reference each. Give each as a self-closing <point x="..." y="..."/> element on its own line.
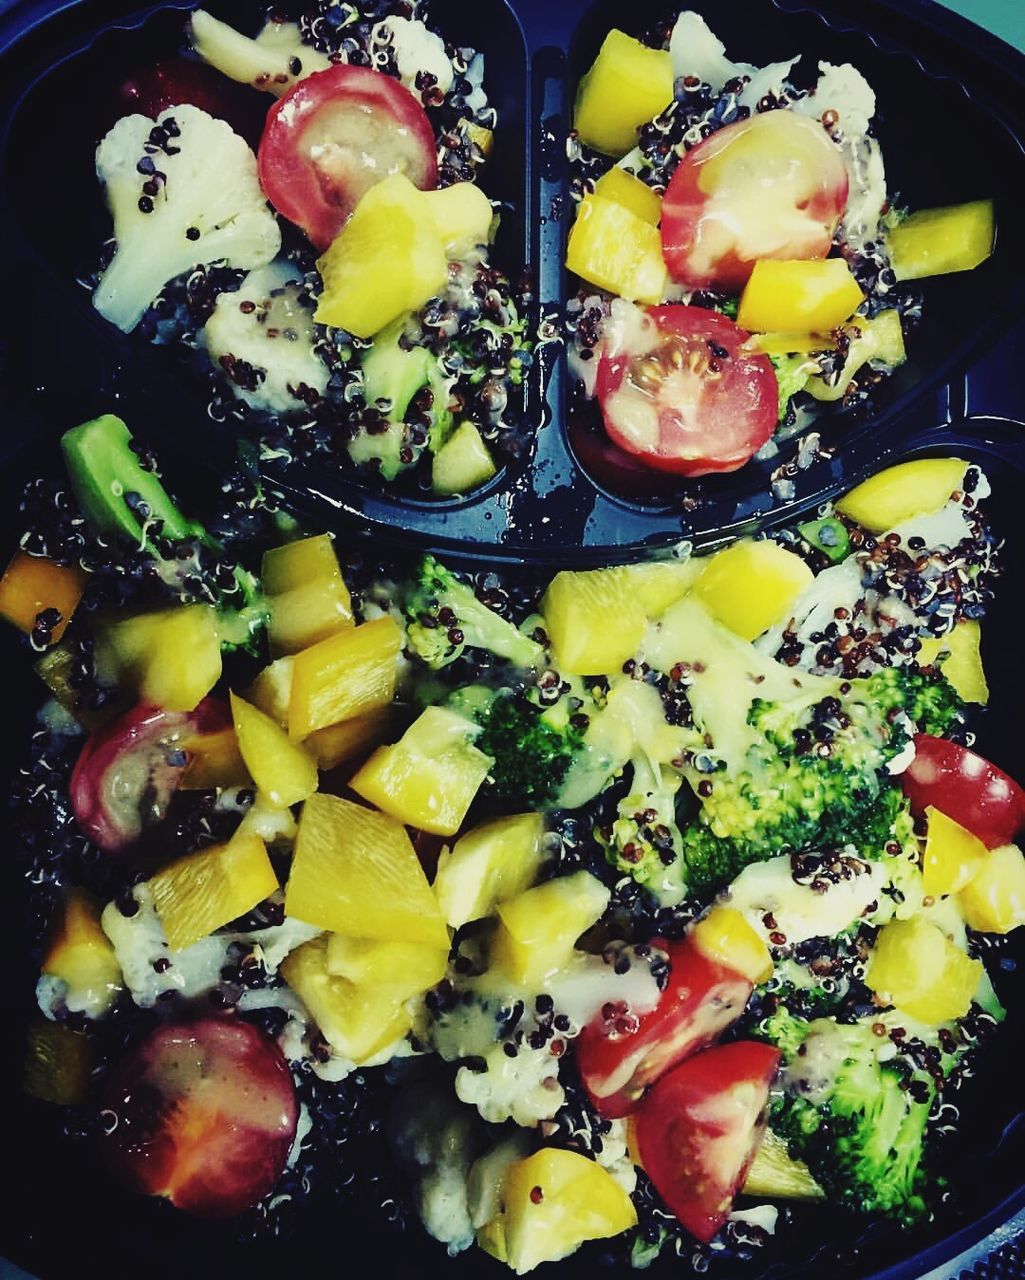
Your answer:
<point x="273" y="61"/>
<point x="262" y="336"/>
<point x="183" y="191"/>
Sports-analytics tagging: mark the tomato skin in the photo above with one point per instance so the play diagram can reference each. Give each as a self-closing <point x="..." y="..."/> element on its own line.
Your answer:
<point x="705" y="412"/>
<point x="771" y="186"/>
<point x="698" y="1129"/>
<point x="966" y="787"/>
<point x="129" y="770"/>
<point x="701" y="999"/>
<point x="151" y="89"/>
<point x="303" y="188"/>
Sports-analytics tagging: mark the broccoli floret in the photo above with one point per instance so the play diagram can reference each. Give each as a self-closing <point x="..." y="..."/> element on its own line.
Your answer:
<point x="858" y="1123"/>
<point x="184" y="192"/>
<point x="445" y="616"/>
<point x="929" y="701"/>
<point x="644" y="840"/>
<point x="532" y="746"/>
<point x="120" y="499"/>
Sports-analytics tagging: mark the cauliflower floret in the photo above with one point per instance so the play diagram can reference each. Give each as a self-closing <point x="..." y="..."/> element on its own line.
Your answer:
<point x="524" y="1088"/>
<point x="417" y="50"/>
<point x="183" y="191"/>
<point x="273" y="62"/>
<point x="615" y="1156"/>
<point x="262" y="336"/>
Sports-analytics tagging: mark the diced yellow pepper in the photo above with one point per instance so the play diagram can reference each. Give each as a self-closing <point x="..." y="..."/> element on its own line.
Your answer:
<point x="813" y="296"/>
<point x="879" y="340"/>
<point x="951" y="857"/>
<point x="271" y="690"/>
<point x="628" y="190"/>
<point x="776" y="1174"/>
<point x="340" y="744"/>
<point x="356" y="1021"/>
<point x="935" y="242"/>
<point x="903" y="492"/>
<point x="58" y="1063"/>
<point x="596" y="619"/>
<point x="388" y="259"/>
<point x="307" y="595"/>
<point x="628" y="84"/>
<point x="959" y="657"/>
<point x="429" y="778"/>
<point x="407" y="968"/>
<point x="283" y="770"/>
<point x="214" y="761"/>
<point x="751" y="586"/>
<point x="612" y="247"/>
<point x="344" y="676"/>
<point x="80" y="954"/>
<point x="993" y="901"/>
<point x="171" y="658"/>
<point x="203" y="891"/>
<point x="463" y="462"/>
<point x="354" y="871"/>
<point x="461" y="215"/>
<point x="31" y="584"/>
<point x="916" y="967"/>
<point x="552" y="1202"/>
<point x="539" y="927"/>
<point x="724" y="935"/>
<point x="488" y="865"/>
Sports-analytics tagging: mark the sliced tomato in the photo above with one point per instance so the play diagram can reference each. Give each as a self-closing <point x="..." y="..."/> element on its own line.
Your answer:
<point x="679" y="391"/>
<point x="967" y="788"/>
<point x="771" y="186"/>
<point x="698" y="1129"/>
<point x="129" y="770"/>
<point x="620" y="1054"/>
<point x="335" y="135"/>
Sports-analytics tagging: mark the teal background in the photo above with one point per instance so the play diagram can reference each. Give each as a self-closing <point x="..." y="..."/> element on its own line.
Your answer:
<point x="1005" y="18"/>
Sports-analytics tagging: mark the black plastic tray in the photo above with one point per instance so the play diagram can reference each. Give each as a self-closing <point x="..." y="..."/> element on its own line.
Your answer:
<point x="951" y="124"/>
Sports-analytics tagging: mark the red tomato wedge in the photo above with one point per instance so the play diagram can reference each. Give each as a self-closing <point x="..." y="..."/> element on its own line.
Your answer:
<point x="335" y="135"/>
<point x="697" y="1131"/>
<point x="620" y="1054"/>
<point x="771" y="186"/>
<point x="967" y="788"/>
<point x="679" y="391"/>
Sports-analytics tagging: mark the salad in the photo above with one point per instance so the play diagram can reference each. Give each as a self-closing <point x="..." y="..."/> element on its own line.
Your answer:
<point x="739" y="255"/>
<point x="635" y="933"/>
<point x="297" y="213"/>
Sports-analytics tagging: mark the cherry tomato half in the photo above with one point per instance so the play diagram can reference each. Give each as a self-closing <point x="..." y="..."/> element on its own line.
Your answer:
<point x="771" y="186"/>
<point x="619" y="1055"/>
<point x="967" y="788"/>
<point x="698" y="1129"/>
<point x="680" y="393"/>
<point x="335" y="135"/>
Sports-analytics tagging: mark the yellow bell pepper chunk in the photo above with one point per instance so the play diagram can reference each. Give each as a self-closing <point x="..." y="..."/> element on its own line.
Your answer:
<point x="799" y="297"/>
<point x="879" y="340"/>
<point x="916" y="967"/>
<point x="628" y="190"/>
<point x="32" y="584"/>
<point x="214" y="761"/>
<point x="58" y="1063"/>
<point x="628" y="84"/>
<point x="281" y="769"/>
<point x="354" y="871"/>
<point x="206" y="890"/>
<point x="357" y="1021"/>
<point x="538" y="928"/>
<point x="339" y="744"/>
<point x="429" y="778"/>
<point x="388" y="259"/>
<point x="580" y="607"/>
<point x="307" y="595"/>
<point x="613" y="248"/>
<point x="903" y="492"/>
<point x="461" y="216"/>
<point x="959" y="658"/>
<point x="552" y="1202"/>
<point x="407" y="968"/>
<point x="488" y="865"/>
<point x="724" y="935"/>
<point x="994" y="899"/>
<point x="776" y="1174"/>
<point x="344" y="676"/>
<point x="80" y="954"/>
<point x="171" y="657"/>
<point x="751" y="586"/>
<point x="463" y="462"/>
<point x="951" y="857"/>
<point x="935" y="242"/>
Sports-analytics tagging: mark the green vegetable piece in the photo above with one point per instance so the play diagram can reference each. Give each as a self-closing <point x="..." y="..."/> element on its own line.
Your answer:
<point x="827" y="535"/>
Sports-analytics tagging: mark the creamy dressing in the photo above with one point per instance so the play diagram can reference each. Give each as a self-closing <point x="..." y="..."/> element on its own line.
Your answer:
<point x="416" y="50"/>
